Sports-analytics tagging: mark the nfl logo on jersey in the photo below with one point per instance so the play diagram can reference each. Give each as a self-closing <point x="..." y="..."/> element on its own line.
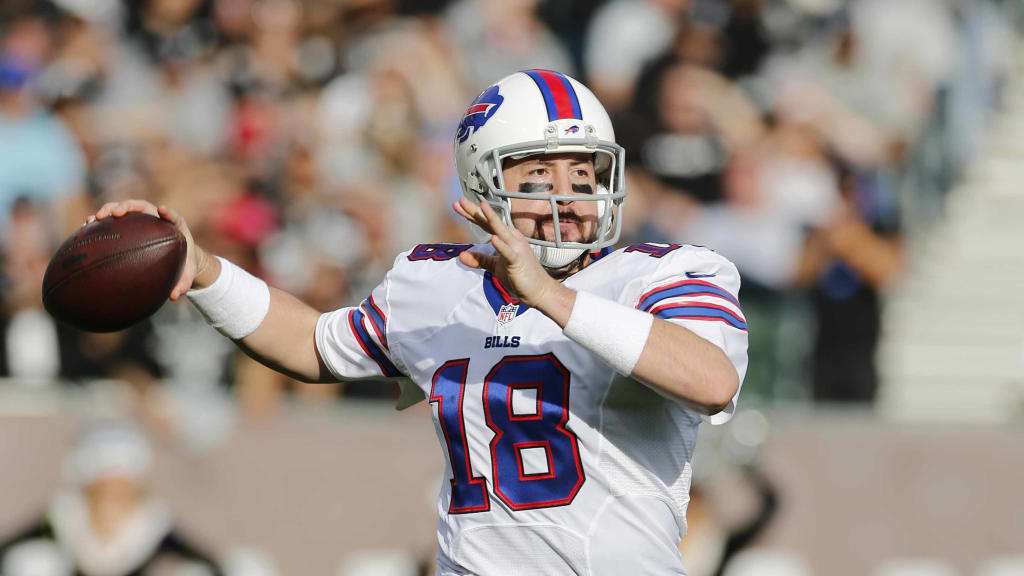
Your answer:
<point x="507" y="313"/>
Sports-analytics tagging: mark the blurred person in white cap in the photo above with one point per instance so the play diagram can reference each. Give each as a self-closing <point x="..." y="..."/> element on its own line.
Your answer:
<point x="104" y="521"/>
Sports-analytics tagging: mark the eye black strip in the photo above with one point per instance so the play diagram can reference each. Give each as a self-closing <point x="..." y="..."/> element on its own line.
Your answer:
<point x="533" y="187"/>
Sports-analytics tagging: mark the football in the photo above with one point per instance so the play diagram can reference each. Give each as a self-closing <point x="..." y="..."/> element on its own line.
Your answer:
<point x="114" y="272"/>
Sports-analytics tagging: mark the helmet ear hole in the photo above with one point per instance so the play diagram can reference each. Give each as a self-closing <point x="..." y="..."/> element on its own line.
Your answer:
<point x="603" y="170"/>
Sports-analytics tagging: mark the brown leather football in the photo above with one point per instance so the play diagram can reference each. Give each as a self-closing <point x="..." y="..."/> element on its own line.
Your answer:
<point x="114" y="272"/>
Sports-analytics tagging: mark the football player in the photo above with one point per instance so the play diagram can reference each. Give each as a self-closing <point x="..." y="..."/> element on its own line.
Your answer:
<point x="567" y="381"/>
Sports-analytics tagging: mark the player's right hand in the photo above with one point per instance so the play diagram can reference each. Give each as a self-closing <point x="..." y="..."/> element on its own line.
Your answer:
<point x="514" y="263"/>
<point x="197" y="261"/>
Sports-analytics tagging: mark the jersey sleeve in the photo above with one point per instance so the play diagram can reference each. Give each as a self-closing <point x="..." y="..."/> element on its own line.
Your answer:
<point x="353" y="341"/>
<point x="698" y="290"/>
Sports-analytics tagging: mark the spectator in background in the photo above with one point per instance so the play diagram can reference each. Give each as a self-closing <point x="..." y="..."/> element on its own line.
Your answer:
<point x="745" y="42"/>
<point x="855" y="253"/>
<point x="29" y="343"/>
<point x="774" y="194"/>
<point x="36" y="349"/>
<point x="879" y="61"/>
<point x="683" y="126"/>
<point x="383" y="141"/>
<point x="847" y="264"/>
<point x="105" y="522"/>
<point x="689" y="122"/>
<point x="624" y="36"/>
<point x="159" y="79"/>
<point x="39" y="159"/>
<point x="712" y="541"/>
<point x="74" y="76"/>
<point x="498" y="37"/>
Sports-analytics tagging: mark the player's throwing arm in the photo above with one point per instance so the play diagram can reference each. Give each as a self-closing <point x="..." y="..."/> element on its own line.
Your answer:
<point x="269" y="324"/>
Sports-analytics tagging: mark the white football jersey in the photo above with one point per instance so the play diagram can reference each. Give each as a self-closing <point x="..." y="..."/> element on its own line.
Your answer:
<point x="556" y="464"/>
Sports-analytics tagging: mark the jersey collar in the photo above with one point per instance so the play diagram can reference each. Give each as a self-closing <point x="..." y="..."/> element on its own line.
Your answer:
<point x="498" y="296"/>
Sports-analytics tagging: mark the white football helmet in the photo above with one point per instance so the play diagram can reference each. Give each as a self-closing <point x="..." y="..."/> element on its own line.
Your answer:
<point x="541" y="112"/>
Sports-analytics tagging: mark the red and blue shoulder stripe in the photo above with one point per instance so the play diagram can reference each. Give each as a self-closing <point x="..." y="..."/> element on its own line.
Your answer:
<point x="700" y="311"/>
<point x="685" y="304"/>
<point x="370" y="348"/>
<point x="377" y="318"/>
<point x="684" y="288"/>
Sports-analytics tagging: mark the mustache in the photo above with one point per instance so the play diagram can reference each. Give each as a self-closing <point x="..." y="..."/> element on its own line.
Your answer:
<point x="535" y="187"/>
<point x="566" y="216"/>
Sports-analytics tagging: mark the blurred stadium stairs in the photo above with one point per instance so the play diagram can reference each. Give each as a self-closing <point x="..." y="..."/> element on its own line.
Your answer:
<point x="953" y="338"/>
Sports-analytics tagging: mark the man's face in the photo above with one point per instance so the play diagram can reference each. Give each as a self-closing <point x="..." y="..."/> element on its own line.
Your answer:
<point x="568" y="173"/>
<point x="112" y="500"/>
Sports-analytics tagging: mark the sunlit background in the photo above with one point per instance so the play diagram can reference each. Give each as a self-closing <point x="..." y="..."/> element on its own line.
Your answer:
<point x="860" y="161"/>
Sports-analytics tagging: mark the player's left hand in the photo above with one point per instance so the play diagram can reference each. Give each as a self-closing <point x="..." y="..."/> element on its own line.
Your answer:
<point x="515" y="265"/>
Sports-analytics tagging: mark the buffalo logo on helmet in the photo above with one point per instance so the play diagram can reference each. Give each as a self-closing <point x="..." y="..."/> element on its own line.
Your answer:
<point x="480" y="111"/>
<point x="574" y="129"/>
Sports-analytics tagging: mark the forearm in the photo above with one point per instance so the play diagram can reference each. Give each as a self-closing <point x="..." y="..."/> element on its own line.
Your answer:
<point x="285" y="339"/>
<point x="877" y="259"/>
<point x="736" y="119"/>
<point x="687" y="367"/>
<point x="674" y="360"/>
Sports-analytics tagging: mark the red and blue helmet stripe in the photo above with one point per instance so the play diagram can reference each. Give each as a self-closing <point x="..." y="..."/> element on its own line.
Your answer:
<point x="559" y="95"/>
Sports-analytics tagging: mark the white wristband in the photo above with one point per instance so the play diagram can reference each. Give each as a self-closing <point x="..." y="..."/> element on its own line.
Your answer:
<point x="235" y="304"/>
<point x="615" y="333"/>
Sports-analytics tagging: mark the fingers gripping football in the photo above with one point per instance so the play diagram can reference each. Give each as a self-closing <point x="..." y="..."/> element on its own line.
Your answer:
<point x="195" y="258"/>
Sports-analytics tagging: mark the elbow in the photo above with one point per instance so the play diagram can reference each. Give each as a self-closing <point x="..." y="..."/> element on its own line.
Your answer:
<point x="712" y="409"/>
<point x="721" y="392"/>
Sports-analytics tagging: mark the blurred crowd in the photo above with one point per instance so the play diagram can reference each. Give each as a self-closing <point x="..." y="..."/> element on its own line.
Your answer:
<point x="311" y="141"/>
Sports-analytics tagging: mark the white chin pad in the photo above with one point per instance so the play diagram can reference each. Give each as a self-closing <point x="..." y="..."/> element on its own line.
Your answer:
<point x="551" y="257"/>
